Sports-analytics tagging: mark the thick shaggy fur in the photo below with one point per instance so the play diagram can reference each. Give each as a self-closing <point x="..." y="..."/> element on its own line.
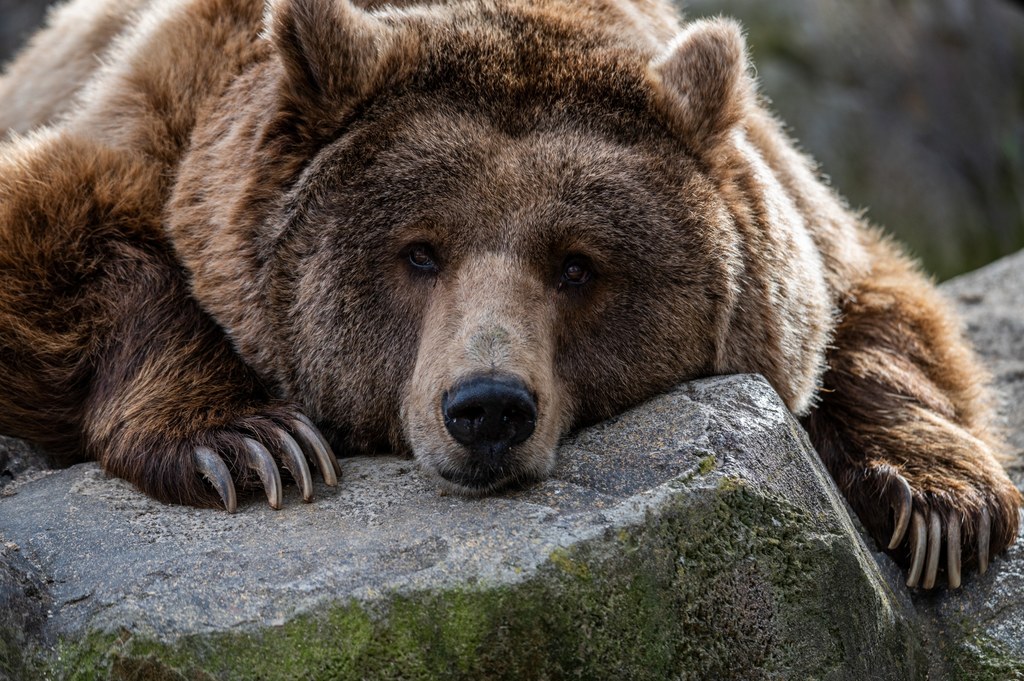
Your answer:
<point x="207" y="213"/>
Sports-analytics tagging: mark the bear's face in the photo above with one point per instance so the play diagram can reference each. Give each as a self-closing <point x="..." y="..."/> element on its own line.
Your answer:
<point x="489" y="229"/>
<point x="546" y="268"/>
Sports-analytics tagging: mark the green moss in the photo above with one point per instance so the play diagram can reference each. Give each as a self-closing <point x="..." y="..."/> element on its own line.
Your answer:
<point x="707" y="464"/>
<point x="561" y="558"/>
<point x="981" y="658"/>
<point x="720" y="584"/>
<point x="730" y="484"/>
<point x="12" y="661"/>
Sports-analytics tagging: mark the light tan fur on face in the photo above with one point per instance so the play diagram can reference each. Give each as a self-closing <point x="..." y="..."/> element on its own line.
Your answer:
<point x="488" y="319"/>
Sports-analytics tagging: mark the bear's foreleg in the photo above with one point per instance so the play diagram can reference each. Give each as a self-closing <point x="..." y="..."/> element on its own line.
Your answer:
<point x="903" y="426"/>
<point x="103" y="351"/>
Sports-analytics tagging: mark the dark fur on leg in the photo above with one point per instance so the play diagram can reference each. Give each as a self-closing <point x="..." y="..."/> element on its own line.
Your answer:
<point x="904" y="396"/>
<point x="103" y="352"/>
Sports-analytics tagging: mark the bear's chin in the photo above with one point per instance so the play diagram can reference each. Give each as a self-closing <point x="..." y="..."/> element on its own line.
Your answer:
<point x="472" y="481"/>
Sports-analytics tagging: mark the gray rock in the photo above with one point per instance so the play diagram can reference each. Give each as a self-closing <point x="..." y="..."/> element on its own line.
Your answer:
<point x="19" y="460"/>
<point x="24" y="600"/>
<point x="696" y="536"/>
<point x="977" y="632"/>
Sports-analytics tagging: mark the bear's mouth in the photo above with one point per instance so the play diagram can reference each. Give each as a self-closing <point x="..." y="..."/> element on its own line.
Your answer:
<point x="476" y="480"/>
<point x="482" y="479"/>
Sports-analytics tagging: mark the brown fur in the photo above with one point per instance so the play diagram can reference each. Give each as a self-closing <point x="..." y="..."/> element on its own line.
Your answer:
<point x="213" y="233"/>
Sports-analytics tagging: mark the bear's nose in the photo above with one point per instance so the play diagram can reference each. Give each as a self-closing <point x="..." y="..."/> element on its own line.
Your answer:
<point x="489" y="414"/>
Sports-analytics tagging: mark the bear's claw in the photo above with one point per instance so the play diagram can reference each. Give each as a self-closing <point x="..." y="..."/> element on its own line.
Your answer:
<point x="926" y="547"/>
<point x="214" y="469"/>
<point x="931" y="565"/>
<point x="953" y="550"/>
<point x="294" y="462"/>
<point x="984" y="538"/>
<point x="925" y="530"/>
<point x="260" y="460"/>
<point x="918" y="545"/>
<point x="904" y="506"/>
<point x="316" y="443"/>
<point x="305" y="442"/>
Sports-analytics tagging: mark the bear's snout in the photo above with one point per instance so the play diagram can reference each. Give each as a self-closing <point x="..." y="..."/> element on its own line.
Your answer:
<point x="489" y="415"/>
<point x="484" y="407"/>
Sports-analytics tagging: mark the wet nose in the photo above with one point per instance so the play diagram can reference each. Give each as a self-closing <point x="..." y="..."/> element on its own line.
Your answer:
<point x="489" y="414"/>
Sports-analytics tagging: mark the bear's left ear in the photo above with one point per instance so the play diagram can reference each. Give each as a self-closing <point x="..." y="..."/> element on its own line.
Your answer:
<point x="703" y="82"/>
<point x="330" y="48"/>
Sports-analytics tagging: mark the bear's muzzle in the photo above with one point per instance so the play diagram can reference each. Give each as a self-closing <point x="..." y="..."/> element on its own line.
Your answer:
<point x="489" y="414"/>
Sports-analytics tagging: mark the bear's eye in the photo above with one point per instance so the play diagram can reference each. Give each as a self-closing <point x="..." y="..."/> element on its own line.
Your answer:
<point x="421" y="257"/>
<point x="575" y="271"/>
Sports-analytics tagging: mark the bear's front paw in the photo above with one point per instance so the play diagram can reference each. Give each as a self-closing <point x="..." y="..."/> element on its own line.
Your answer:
<point x="291" y="442"/>
<point x="173" y="461"/>
<point x="972" y="521"/>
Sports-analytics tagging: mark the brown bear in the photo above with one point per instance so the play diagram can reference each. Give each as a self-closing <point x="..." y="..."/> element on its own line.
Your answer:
<point x="456" y="230"/>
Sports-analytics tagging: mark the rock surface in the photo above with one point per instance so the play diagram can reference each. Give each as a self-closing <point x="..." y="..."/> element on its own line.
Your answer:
<point x="696" y="536"/>
<point x="19" y="460"/>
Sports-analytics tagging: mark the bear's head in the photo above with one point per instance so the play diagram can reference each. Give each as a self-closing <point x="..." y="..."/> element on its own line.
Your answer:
<point x="463" y="229"/>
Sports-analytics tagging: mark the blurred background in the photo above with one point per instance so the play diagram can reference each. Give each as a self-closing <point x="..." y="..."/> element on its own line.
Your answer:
<point x="914" y="108"/>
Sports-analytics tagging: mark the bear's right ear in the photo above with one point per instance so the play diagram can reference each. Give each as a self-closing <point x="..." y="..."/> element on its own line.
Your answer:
<point x="330" y="49"/>
<point x="702" y="81"/>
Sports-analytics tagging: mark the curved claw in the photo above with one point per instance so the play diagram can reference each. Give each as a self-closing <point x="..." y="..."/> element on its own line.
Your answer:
<point x="316" y="442"/>
<point x="953" y="550"/>
<point x="918" y="544"/>
<point x="260" y="460"/>
<point x="295" y="462"/>
<point x="904" y="507"/>
<point x="934" y="548"/>
<point x="984" y="540"/>
<point x="213" y="469"/>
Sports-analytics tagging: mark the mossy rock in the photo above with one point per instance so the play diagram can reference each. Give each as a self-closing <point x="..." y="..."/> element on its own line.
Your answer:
<point x="696" y="536"/>
<point x="723" y="584"/>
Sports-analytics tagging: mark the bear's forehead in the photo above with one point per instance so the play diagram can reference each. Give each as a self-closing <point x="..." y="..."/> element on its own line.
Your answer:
<point x="568" y="159"/>
<point x="472" y="184"/>
<point x="505" y="122"/>
<point x="518" y="60"/>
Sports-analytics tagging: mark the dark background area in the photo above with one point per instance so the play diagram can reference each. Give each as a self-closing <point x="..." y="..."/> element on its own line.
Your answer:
<point x="914" y="108"/>
<point x="18" y="18"/>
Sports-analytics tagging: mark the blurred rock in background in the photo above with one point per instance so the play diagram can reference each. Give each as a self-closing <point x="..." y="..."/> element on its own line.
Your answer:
<point x="915" y="108"/>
